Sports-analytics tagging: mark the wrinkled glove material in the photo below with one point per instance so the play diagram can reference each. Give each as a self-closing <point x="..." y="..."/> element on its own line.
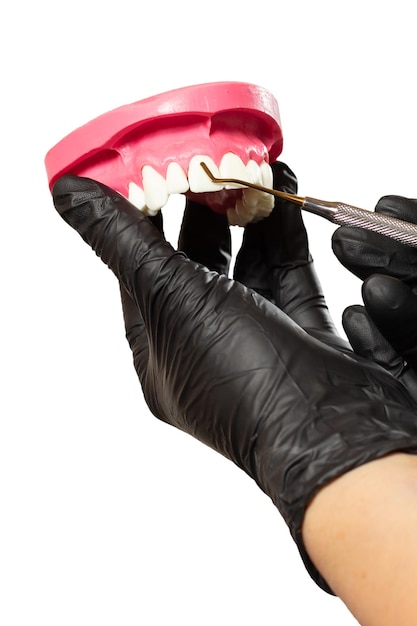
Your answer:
<point x="225" y="365"/>
<point x="384" y="329"/>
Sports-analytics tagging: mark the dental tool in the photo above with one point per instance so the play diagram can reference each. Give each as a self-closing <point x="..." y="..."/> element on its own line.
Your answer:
<point x="337" y="212"/>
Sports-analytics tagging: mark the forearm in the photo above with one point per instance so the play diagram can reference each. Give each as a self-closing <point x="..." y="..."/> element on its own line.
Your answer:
<point x="361" y="533"/>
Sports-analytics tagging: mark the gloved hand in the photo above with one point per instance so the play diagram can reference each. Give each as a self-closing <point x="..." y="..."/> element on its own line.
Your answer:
<point x="275" y="261"/>
<point x="230" y="367"/>
<point x="385" y="328"/>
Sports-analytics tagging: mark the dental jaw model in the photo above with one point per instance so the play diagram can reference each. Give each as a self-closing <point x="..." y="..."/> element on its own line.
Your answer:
<point x="153" y="148"/>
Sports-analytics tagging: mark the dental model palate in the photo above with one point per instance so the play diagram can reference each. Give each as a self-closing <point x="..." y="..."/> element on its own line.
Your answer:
<point x="153" y="148"/>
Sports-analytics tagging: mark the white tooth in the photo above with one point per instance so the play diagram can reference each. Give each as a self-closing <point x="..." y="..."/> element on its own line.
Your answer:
<point x="234" y="218"/>
<point x="136" y="196"/>
<point x="239" y="216"/>
<point x="266" y="173"/>
<point x="232" y="166"/>
<point x="262" y="212"/>
<point x="261" y="201"/>
<point x="155" y="188"/>
<point x="243" y="210"/>
<point x="176" y="179"/>
<point x="254" y="172"/>
<point x="265" y="201"/>
<point x="251" y="197"/>
<point x="198" y="180"/>
<point x="151" y="212"/>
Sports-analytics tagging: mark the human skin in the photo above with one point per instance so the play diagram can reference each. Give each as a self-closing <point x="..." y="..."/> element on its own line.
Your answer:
<point x="360" y="532"/>
<point x="375" y="572"/>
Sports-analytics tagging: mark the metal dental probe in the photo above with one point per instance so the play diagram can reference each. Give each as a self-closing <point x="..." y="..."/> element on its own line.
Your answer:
<point x="337" y="212"/>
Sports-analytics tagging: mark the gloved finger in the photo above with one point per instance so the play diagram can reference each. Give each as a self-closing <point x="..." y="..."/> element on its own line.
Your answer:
<point x="367" y="341"/>
<point x="253" y="266"/>
<point x="205" y="237"/>
<point x="170" y="290"/>
<point x="124" y="238"/>
<point x="158" y="221"/>
<point x="393" y="307"/>
<point x="365" y="253"/>
<point x="275" y="257"/>
<point x="295" y="285"/>
<point x="399" y="207"/>
<point x="250" y="267"/>
<point x="135" y="333"/>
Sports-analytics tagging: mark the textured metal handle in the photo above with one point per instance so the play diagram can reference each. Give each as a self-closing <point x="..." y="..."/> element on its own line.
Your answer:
<point x="402" y="231"/>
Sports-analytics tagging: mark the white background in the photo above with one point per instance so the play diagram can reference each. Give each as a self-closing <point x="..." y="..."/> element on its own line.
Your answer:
<point x="109" y="517"/>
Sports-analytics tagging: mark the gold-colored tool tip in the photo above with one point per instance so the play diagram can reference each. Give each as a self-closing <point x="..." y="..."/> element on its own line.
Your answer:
<point x="207" y="171"/>
<point x="245" y="183"/>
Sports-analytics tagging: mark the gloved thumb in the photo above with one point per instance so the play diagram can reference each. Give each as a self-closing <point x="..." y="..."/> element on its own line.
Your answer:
<point x="118" y="232"/>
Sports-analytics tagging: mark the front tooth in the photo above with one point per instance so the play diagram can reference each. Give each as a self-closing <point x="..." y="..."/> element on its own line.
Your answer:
<point x="176" y="179"/>
<point x="198" y="180"/>
<point x="232" y="166"/>
<point x="266" y="173"/>
<point x="155" y="188"/>
<point x="254" y="172"/>
<point x="265" y="200"/>
<point x="136" y="196"/>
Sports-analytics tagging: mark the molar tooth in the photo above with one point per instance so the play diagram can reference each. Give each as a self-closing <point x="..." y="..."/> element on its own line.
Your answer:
<point x="250" y="197"/>
<point x="136" y="196"/>
<point x="239" y="216"/>
<point x="234" y="218"/>
<point x="266" y="173"/>
<point x="198" y="179"/>
<point x="262" y="212"/>
<point x="176" y="179"/>
<point x="232" y="166"/>
<point x="155" y="189"/>
<point x="243" y="210"/>
<point x="265" y="201"/>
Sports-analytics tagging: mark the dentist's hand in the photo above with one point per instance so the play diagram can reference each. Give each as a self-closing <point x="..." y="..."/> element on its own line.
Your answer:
<point x="265" y="381"/>
<point x="385" y="328"/>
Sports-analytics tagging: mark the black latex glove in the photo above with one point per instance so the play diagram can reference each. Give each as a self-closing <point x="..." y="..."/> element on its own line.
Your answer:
<point x="205" y="237"/>
<point x="385" y="328"/>
<point x="227" y="366"/>
<point x="275" y="261"/>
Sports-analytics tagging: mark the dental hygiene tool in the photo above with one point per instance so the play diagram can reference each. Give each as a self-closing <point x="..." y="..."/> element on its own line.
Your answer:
<point x="337" y="212"/>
